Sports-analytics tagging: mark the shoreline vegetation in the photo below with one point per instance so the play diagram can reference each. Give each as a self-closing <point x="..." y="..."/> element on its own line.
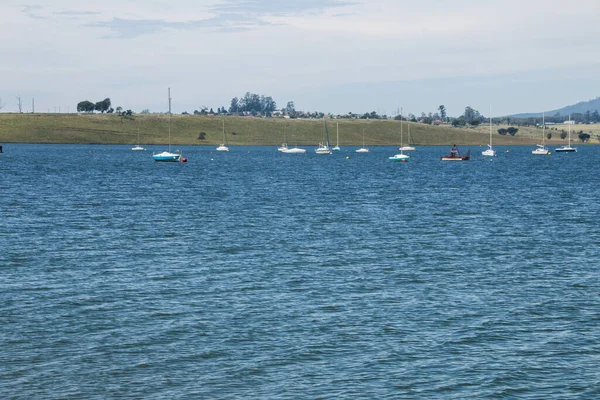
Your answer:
<point x="246" y="131"/>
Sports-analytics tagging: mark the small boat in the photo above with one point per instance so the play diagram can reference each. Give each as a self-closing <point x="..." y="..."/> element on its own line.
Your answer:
<point x="324" y="147"/>
<point x="541" y="149"/>
<point x="363" y="149"/>
<point x="567" y="148"/>
<point x="223" y="146"/>
<point x="294" y="150"/>
<point x="337" y="145"/>
<point x="490" y="152"/>
<point x="455" y="155"/>
<point x="400" y="157"/>
<point x="168" y="156"/>
<point x="138" y="147"/>
<point x="407" y="147"/>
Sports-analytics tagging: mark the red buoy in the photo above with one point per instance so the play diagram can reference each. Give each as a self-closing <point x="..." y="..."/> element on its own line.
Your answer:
<point x="184" y="159"/>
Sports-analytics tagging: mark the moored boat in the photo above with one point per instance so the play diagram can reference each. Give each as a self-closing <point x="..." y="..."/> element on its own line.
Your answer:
<point x="455" y="155"/>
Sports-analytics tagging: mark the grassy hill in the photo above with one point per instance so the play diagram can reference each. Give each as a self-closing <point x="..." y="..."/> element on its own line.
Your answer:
<point x="185" y="130"/>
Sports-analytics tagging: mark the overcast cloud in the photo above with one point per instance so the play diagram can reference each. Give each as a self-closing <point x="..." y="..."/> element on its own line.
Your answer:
<point x="326" y="55"/>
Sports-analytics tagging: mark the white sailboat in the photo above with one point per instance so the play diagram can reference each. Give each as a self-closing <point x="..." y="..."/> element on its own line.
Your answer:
<point x="168" y="156"/>
<point x="337" y="142"/>
<point x="324" y="147"/>
<point x="363" y="149"/>
<point x="294" y="150"/>
<point x="541" y="149"/>
<point x="138" y="147"/>
<point x="490" y="152"/>
<point x="223" y="146"/>
<point x="567" y="148"/>
<point x="408" y="147"/>
<point x="400" y="156"/>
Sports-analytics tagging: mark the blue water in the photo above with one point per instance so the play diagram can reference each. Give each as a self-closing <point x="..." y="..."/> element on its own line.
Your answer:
<point x="255" y="274"/>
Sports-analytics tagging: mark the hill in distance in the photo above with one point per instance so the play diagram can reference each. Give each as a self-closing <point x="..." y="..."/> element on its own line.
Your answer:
<point x="579" y="108"/>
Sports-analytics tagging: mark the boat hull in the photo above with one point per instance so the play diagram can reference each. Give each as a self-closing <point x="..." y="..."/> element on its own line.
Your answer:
<point x="566" y="150"/>
<point x="295" y="150"/>
<point x="459" y="158"/>
<point x="167" y="157"/>
<point x="400" y="158"/>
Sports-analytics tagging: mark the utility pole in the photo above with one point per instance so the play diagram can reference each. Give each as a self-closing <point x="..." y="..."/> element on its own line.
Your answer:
<point x="33" y="106"/>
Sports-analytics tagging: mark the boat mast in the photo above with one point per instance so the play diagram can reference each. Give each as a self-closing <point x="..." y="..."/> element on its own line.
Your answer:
<point x="569" y="130"/>
<point x="401" y="126"/>
<point x="543" y="128"/>
<point x="169" y="120"/>
<point x="490" y="127"/>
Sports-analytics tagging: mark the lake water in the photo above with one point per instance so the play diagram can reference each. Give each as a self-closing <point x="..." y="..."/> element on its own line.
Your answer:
<point x="255" y="274"/>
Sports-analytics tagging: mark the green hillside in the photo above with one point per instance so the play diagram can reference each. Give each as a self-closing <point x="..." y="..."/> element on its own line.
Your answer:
<point x="186" y="130"/>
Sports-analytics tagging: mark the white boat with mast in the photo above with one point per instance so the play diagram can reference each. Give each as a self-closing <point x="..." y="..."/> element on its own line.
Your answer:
<point x="168" y="156"/>
<point x="408" y="147"/>
<point x="400" y="156"/>
<point x="363" y="149"/>
<point x="567" y="148"/>
<point x="541" y="149"/>
<point x="138" y="147"/>
<point x="324" y="147"/>
<point x="223" y="146"/>
<point x="490" y="152"/>
<point x="337" y="129"/>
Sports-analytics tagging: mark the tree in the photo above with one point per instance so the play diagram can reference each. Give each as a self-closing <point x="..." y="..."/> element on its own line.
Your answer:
<point x="512" y="131"/>
<point x="584" y="137"/>
<point x="469" y="114"/>
<point x="549" y="135"/>
<point x="119" y="109"/>
<point x="1" y="104"/>
<point x="85" y="106"/>
<point x="502" y="131"/>
<point x="103" y="105"/>
<point x="563" y="134"/>
<point x="442" y="109"/>
<point x="235" y="105"/>
<point x="290" y="108"/>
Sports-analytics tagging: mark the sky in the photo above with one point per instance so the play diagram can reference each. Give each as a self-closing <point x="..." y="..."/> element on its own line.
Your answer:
<point x="333" y="56"/>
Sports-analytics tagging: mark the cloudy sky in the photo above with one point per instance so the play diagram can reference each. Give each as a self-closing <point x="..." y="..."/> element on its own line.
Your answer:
<point x="326" y="55"/>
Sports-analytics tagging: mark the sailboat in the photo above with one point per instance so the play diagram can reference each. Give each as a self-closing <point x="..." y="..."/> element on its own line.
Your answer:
<point x="223" y="146"/>
<point x="408" y="147"/>
<point x="337" y="144"/>
<point x="363" y="149"/>
<point x="567" y="148"/>
<point x="138" y="147"/>
<point x="490" y="152"/>
<point x="324" y="147"/>
<point x="401" y="156"/>
<point x="541" y="149"/>
<point x="168" y="156"/>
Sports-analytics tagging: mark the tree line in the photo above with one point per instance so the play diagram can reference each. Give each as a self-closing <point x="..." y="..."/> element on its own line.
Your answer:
<point x="103" y="106"/>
